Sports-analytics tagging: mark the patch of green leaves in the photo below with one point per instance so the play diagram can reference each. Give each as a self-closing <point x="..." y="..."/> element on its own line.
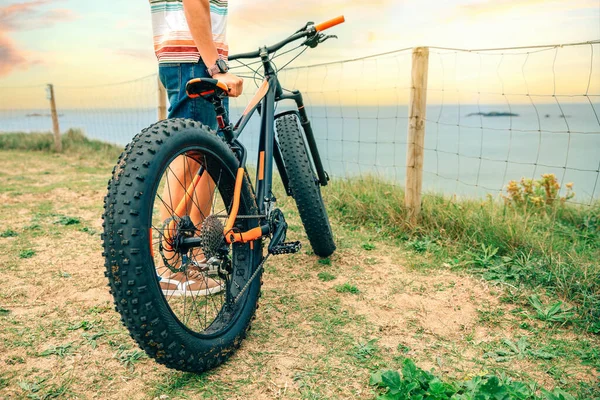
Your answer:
<point x="368" y="246"/>
<point x="85" y="325"/>
<point x="325" y="276"/>
<point x="8" y="233"/>
<point x="66" y="220"/>
<point x="483" y="258"/>
<point x="130" y="358"/>
<point x="411" y="382"/>
<point x="517" y="350"/>
<point x="59" y="351"/>
<point x="365" y="350"/>
<point x="325" y="261"/>
<point x="421" y="245"/>
<point x="347" y="288"/>
<point x="554" y="313"/>
<point x="27" y="253"/>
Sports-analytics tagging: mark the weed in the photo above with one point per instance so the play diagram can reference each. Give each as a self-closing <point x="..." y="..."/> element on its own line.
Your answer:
<point x="553" y="313"/>
<point x="130" y="358"/>
<point x="325" y="276"/>
<point x="27" y="253"/>
<point x="66" y="220"/>
<point x="8" y="233"/>
<point x="85" y="325"/>
<point x="414" y="383"/>
<point x="60" y="350"/>
<point x="347" y="288"/>
<point x="87" y="230"/>
<point x="421" y="245"/>
<point x="363" y="351"/>
<point x="325" y="261"/>
<point x="484" y="258"/>
<point x="519" y="350"/>
<point x="368" y="246"/>
<point x="538" y="194"/>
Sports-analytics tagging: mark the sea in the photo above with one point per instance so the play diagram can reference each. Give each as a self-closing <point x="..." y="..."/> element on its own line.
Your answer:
<point x="466" y="152"/>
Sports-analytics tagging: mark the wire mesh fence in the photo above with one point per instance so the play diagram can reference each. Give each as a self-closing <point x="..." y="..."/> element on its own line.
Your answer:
<point x="493" y="115"/>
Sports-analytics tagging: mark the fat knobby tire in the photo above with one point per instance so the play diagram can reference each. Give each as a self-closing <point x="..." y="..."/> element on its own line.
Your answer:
<point x="304" y="185"/>
<point x="128" y="260"/>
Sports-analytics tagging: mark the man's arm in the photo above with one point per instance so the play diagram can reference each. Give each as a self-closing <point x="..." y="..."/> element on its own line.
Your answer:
<point x="197" y="14"/>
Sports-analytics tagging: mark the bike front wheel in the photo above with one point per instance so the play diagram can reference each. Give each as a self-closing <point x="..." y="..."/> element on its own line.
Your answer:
<point x="304" y="186"/>
<point x="187" y="305"/>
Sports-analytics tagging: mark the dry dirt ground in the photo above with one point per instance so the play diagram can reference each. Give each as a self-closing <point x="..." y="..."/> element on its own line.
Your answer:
<point x="322" y="327"/>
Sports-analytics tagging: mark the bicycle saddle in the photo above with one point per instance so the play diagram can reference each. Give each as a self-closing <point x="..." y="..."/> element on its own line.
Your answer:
<point x="206" y="88"/>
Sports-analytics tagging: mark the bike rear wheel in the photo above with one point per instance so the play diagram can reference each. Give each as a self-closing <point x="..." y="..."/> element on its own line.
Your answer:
<point x="304" y="186"/>
<point x="184" y="312"/>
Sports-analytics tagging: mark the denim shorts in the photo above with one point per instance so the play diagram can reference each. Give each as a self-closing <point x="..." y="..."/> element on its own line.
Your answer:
<point x="174" y="76"/>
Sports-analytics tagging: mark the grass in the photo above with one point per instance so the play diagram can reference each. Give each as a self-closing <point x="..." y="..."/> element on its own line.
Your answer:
<point x="556" y="250"/>
<point x="74" y="141"/>
<point x="403" y="305"/>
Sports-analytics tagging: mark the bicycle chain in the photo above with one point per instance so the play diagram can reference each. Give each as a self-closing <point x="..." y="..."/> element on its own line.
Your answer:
<point x="254" y="275"/>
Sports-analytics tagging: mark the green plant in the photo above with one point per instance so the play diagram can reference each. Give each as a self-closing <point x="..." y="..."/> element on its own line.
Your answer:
<point x="553" y="313"/>
<point x="60" y="350"/>
<point x="420" y="245"/>
<point x="538" y="193"/>
<point x="85" y="325"/>
<point x="66" y="220"/>
<point x="414" y="383"/>
<point x="347" y="288"/>
<point x="325" y="261"/>
<point x="368" y="246"/>
<point x="365" y="350"/>
<point x="27" y="253"/>
<point x="130" y="358"/>
<point x="484" y="258"/>
<point x="8" y="233"/>
<point x="519" y="350"/>
<point x="325" y="276"/>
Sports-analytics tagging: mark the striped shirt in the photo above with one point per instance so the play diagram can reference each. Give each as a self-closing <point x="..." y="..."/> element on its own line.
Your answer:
<point x="173" y="41"/>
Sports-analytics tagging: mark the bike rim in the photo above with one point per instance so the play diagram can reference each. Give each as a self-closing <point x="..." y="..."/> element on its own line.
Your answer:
<point x="203" y="301"/>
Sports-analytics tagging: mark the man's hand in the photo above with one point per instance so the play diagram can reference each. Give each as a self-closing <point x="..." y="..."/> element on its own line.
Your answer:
<point x="235" y="83"/>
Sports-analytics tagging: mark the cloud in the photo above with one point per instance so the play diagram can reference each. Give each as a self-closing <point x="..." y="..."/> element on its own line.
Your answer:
<point x="25" y="16"/>
<point x="10" y="56"/>
<point x="497" y="7"/>
<point x="244" y="13"/>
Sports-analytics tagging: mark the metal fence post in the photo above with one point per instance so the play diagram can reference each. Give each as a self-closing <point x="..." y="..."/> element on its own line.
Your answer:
<point x="416" y="132"/>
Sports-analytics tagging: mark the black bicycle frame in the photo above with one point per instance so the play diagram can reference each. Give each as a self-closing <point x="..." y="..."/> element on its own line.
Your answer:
<point x="268" y="94"/>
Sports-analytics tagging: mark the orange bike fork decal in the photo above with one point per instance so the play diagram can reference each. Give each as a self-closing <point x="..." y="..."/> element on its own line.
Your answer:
<point x="236" y="204"/>
<point x="230" y="235"/>
<point x="261" y="166"/>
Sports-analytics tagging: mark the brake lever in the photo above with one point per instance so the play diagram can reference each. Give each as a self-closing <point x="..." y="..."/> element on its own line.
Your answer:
<point x="327" y="37"/>
<point x="317" y="39"/>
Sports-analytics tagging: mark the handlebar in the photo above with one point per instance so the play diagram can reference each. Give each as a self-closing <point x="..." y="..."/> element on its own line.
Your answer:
<point x="329" y="24"/>
<point x="309" y="31"/>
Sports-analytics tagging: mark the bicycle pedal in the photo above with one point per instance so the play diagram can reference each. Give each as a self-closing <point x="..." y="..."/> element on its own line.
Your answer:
<point x="286" y="248"/>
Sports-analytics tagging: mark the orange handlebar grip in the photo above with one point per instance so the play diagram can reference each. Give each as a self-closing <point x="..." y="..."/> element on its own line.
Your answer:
<point x="328" y="24"/>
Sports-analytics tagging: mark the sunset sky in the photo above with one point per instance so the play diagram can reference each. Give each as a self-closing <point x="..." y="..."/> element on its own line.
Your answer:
<point x="75" y="42"/>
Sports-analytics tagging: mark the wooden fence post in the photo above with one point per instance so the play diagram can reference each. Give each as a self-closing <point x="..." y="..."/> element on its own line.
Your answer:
<point x="55" y="126"/>
<point x="162" y="101"/>
<point x="416" y="132"/>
